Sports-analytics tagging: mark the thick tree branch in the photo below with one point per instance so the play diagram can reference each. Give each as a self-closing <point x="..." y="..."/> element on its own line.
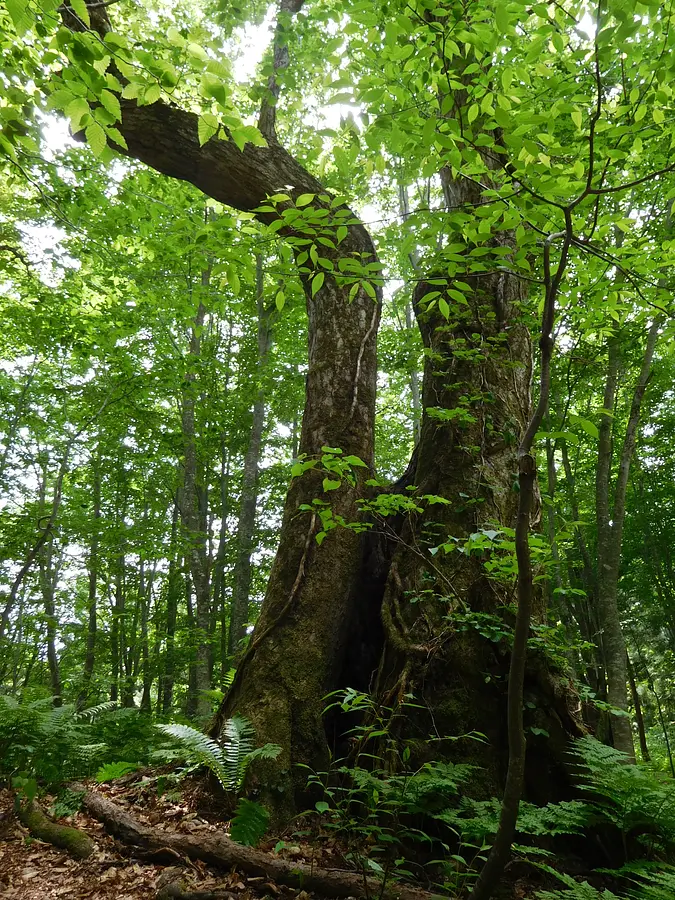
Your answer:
<point x="165" y="138"/>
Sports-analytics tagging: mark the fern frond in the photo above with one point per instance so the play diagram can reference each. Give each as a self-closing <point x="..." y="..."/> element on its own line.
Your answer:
<point x="249" y="823"/>
<point x="88" y="715"/>
<point x="203" y="750"/>
<point x="238" y="743"/>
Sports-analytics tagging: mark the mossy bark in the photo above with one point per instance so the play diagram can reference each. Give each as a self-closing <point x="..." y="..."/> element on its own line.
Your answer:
<point x="297" y="649"/>
<point x="76" y="842"/>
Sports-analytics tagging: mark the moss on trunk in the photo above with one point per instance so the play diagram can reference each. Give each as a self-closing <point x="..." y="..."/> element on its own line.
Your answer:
<point x="76" y="842"/>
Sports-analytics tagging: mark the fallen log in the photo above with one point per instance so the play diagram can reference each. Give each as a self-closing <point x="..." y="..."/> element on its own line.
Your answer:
<point x="219" y="850"/>
<point x="76" y="842"/>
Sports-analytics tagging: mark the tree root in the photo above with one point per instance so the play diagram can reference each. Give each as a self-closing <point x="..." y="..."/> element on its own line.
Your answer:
<point x="221" y="851"/>
<point x="76" y="842"/>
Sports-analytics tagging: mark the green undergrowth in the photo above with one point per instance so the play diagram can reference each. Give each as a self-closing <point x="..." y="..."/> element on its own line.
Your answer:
<point x="393" y="817"/>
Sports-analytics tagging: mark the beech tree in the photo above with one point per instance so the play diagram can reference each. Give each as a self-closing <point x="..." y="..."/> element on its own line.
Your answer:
<point x="524" y="124"/>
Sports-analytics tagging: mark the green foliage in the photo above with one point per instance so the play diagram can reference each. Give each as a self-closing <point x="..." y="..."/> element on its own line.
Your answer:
<point x="52" y="743"/>
<point x="640" y="882"/>
<point x="114" y="770"/>
<point x="638" y="802"/>
<point x="228" y="759"/>
<point x="249" y="823"/>
<point x="67" y="803"/>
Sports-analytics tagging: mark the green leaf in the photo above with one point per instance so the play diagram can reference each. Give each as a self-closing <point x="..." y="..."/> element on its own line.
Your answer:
<point x="304" y="199"/>
<point x="96" y="138"/>
<point x="585" y="425"/>
<point x="280" y="300"/>
<point x="317" y="283"/>
<point x="152" y="94"/>
<point x="330" y="485"/>
<point x="110" y="102"/>
<point x="207" y="127"/>
<point x="175" y="37"/>
<point x="20" y="14"/>
<point x="79" y="7"/>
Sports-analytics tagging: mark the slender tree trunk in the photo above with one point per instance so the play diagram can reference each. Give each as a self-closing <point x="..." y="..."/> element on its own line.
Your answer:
<point x="194" y="514"/>
<point x="610" y="520"/>
<point x="192" y="702"/>
<point x="48" y="577"/>
<point x="92" y="568"/>
<point x="637" y="705"/>
<point x="239" y="615"/>
<point x="117" y="634"/>
<point x="413" y="256"/>
<point x="172" y="598"/>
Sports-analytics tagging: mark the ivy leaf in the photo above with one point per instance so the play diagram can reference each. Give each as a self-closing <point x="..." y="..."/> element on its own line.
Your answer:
<point x="304" y="199"/>
<point x="330" y="485"/>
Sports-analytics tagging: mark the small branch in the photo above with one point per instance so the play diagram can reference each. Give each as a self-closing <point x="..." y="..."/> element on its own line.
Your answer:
<point x="527" y="476"/>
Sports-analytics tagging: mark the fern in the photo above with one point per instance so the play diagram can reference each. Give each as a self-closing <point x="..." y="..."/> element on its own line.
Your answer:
<point x="645" y="882"/>
<point x="228" y="761"/>
<point x="93" y="712"/>
<point x="238" y="742"/>
<point x="637" y="801"/>
<point x="202" y="749"/>
<point x="249" y="823"/>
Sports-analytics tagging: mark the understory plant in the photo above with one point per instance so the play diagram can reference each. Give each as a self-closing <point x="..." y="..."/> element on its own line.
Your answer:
<point x="52" y="744"/>
<point x="416" y="821"/>
<point x="228" y="759"/>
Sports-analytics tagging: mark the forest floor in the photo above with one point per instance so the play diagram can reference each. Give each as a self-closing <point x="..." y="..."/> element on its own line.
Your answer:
<point x="33" y="870"/>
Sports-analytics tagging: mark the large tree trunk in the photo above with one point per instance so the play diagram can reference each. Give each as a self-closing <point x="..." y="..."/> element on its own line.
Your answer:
<point x="476" y="400"/>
